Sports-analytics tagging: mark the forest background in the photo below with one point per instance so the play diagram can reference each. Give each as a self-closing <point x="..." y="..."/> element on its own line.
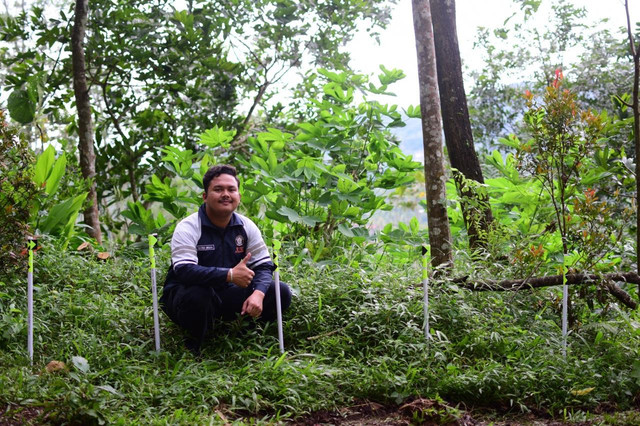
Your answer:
<point x="115" y="110"/>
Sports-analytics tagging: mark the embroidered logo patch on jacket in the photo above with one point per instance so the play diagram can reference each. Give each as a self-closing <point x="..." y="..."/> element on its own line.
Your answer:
<point x="239" y="244"/>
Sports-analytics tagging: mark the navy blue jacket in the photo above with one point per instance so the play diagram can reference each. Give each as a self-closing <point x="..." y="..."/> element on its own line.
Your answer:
<point x="202" y="253"/>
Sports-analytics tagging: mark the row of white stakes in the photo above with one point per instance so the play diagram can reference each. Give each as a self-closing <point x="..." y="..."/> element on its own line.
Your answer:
<point x="156" y="323"/>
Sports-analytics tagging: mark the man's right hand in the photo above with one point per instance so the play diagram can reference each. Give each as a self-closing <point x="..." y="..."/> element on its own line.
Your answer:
<point x="241" y="274"/>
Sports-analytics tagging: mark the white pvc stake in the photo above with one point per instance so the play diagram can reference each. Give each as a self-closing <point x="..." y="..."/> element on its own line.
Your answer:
<point x="154" y="291"/>
<point x="425" y="289"/>
<point x="565" y="299"/>
<point x="30" y="245"/>
<point x="276" y="276"/>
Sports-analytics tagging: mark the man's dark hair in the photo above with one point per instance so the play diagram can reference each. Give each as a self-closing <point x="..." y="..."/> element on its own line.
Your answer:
<point x="216" y="171"/>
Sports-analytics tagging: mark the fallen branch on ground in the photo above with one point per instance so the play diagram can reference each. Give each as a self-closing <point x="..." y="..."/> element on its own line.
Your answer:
<point x="554" y="280"/>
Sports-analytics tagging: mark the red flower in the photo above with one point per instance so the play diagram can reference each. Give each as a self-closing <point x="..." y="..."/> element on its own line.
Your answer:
<point x="559" y="77"/>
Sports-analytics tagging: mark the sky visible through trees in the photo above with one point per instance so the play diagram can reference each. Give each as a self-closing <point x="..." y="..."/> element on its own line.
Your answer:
<point x="397" y="48"/>
<point x="471" y="14"/>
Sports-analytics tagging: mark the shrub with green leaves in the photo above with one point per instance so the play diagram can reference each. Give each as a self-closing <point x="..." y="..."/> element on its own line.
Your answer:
<point x="333" y="173"/>
<point x="563" y="190"/>
<point x="55" y="213"/>
<point x="559" y="152"/>
<point x="18" y="194"/>
<point x="324" y="177"/>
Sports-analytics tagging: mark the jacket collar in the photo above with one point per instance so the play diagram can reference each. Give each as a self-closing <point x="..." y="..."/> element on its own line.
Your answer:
<point x="202" y="212"/>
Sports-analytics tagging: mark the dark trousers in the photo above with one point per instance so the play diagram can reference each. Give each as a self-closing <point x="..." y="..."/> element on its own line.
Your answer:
<point x="195" y="308"/>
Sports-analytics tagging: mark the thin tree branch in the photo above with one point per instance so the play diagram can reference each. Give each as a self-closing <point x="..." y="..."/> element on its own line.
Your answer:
<point x="556" y="280"/>
<point x="116" y="122"/>
<point x="622" y="101"/>
<point x="548" y="281"/>
<point x="621" y="295"/>
<point x="256" y="102"/>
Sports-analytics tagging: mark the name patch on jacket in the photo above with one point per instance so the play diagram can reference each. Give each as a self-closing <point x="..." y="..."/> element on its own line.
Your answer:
<point x="206" y="247"/>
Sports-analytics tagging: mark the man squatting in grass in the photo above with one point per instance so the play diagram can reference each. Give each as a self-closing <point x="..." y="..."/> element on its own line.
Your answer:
<point x="220" y="265"/>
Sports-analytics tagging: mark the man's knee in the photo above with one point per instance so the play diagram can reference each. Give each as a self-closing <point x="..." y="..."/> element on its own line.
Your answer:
<point x="269" y="309"/>
<point x="198" y="297"/>
<point x="285" y="296"/>
<point x="189" y="303"/>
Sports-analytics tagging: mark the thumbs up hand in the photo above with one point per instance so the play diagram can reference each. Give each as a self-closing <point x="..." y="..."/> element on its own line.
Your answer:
<point x="241" y="275"/>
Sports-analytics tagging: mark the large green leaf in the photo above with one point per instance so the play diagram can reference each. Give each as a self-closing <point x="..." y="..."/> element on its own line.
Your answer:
<point x="347" y="185"/>
<point x="332" y="76"/>
<point x="390" y="76"/>
<point x="216" y="137"/>
<point x="298" y="218"/>
<point x="414" y="111"/>
<point x="353" y="232"/>
<point x="53" y="180"/>
<point x="62" y="214"/>
<point x="277" y="138"/>
<point x="21" y="107"/>
<point x="43" y="165"/>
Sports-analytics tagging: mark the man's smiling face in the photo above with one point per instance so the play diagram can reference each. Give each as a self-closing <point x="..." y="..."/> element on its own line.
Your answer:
<point x="222" y="197"/>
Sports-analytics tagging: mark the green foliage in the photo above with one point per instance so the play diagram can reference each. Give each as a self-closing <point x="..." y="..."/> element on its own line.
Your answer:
<point x="49" y="170"/>
<point x="353" y="332"/>
<point x="325" y="178"/>
<point x="31" y="197"/>
<point x="523" y="54"/>
<point x="402" y="242"/>
<point x="560" y="155"/>
<point x="21" y="106"/>
<point x="18" y="194"/>
<point x="217" y="137"/>
<point x="332" y="174"/>
<point x="566" y="161"/>
<point x="161" y="76"/>
<point x="61" y="218"/>
<point x="53" y="214"/>
<point x="143" y="222"/>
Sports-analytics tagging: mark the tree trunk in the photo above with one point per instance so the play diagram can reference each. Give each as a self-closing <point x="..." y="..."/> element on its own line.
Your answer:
<point x="635" y="106"/>
<point x="434" y="169"/>
<point x="85" y="127"/>
<point x="457" y="126"/>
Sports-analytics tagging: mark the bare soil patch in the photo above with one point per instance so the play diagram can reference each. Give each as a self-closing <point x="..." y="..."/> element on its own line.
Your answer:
<point x="16" y="415"/>
<point x="429" y="412"/>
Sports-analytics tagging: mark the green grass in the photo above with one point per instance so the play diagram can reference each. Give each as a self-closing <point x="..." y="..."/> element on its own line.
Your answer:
<point x="352" y="333"/>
